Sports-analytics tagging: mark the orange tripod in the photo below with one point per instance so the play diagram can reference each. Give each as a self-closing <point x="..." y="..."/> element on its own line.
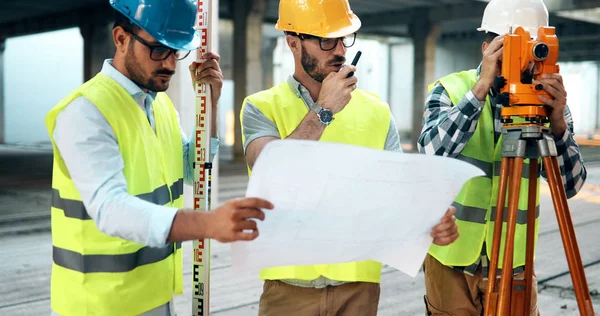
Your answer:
<point x="528" y="139"/>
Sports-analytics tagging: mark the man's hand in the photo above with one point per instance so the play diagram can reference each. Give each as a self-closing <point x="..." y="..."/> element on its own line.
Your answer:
<point x="336" y="89"/>
<point x="232" y="220"/>
<point x="446" y="232"/>
<point x="556" y="105"/>
<point x="489" y="68"/>
<point x="209" y="72"/>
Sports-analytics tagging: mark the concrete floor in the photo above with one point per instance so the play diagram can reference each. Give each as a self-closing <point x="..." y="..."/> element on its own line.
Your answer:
<point x="25" y="251"/>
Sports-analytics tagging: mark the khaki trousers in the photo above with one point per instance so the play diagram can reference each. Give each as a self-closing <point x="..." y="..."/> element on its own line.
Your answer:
<point x="281" y="299"/>
<point x="450" y="292"/>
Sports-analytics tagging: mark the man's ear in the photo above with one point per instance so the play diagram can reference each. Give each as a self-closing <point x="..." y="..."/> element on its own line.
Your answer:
<point x="293" y="43"/>
<point x="484" y="46"/>
<point x="121" y="39"/>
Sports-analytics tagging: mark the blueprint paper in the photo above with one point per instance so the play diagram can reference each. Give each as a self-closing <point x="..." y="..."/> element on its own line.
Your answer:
<point x="337" y="203"/>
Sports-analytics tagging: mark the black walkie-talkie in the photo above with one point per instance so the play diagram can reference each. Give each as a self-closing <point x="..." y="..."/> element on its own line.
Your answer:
<point x="354" y="62"/>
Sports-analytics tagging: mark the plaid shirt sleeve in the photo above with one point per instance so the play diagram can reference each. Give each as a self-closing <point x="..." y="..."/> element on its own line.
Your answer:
<point x="446" y="128"/>
<point x="569" y="159"/>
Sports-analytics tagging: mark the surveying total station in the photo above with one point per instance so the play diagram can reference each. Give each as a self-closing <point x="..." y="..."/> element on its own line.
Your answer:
<point x="526" y="136"/>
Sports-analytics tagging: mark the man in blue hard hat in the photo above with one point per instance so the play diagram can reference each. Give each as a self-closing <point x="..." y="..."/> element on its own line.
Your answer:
<point x="120" y="161"/>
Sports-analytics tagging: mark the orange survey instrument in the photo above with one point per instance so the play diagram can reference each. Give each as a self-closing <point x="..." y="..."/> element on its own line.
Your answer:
<point x="526" y="136"/>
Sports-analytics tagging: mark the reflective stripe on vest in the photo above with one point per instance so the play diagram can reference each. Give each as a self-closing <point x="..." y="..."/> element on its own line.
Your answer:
<point x="476" y="202"/>
<point x="485" y="166"/>
<point x="111" y="263"/>
<point x="477" y="215"/>
<point x="75" y="209"/>
<point x="93" y="273"/>
<point x="364" y="121"/>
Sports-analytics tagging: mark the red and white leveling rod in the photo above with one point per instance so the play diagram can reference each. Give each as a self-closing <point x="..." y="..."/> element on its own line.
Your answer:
<point x="202" y="167"/>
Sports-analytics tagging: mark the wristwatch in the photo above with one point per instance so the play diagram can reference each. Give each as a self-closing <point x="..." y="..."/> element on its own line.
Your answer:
<point x="325" y="115"/>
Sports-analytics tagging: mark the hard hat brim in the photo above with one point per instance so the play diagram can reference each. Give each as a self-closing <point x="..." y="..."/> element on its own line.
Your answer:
<point x="354" y="26"/>
<point x="182" y="44"/>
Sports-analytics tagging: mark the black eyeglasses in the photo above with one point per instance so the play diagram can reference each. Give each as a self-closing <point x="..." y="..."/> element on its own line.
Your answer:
<point x="327" y="44"/>
<point x="161" y="52"/>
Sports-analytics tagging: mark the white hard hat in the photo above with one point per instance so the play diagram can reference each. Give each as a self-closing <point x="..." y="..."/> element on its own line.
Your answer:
<point x="500" y="15"/>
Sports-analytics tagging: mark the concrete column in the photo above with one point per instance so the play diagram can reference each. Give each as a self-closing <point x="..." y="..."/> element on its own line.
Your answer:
<point x="240" y="10"/>
<point x="248" y="17"/>
<point x="98" y="45"/>
<point x="2" y="111"/>
<point x="267" y="61"/>
<point x="424" y="36"/>
<point x="597" y="127"/>
<point x="254" y="46"/>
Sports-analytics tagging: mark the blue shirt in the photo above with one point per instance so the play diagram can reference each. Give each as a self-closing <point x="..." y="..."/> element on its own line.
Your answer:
<point x="89" y="148"/>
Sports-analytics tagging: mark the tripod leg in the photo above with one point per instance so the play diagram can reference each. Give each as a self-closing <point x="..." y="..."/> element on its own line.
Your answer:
<point x="507" y="265"/>
<point x="520" y="303"/>
<point x="491" y="300"/>
<point x="569" y="238"/>
<point x="531" y="208"/>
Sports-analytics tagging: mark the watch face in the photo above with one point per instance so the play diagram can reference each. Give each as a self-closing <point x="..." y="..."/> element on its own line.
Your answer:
<point x="325" y="116"/>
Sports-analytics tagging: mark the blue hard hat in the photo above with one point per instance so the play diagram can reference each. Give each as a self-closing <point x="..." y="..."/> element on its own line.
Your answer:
<point x="170" y="22"/>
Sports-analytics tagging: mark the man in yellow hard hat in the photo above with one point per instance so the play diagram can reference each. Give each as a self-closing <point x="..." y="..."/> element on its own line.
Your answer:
<point x="462" y="120"/>
<point x="320" y="101"/>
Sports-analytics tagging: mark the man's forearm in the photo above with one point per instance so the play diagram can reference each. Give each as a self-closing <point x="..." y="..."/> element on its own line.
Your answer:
<point x="448" y="128"/>
<point x="558" y="128"/>
<point x="189" y="225"/>
<point x="309" y="129"/>
<point x="573" y="172"/>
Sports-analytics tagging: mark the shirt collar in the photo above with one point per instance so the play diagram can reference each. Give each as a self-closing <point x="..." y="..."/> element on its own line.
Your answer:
<point x="295" y="85"/>
<point x="133" y="89"/>
<point x="303" y="93"/>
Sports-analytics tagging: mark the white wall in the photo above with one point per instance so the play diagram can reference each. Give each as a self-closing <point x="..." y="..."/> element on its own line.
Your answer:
<point x="453" y="56"/>
<point x="581" y="83"/>
<point x="402" y="86"/>
<point x="39" y="70"/>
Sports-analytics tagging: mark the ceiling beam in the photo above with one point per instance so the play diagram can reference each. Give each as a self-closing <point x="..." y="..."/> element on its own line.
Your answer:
<point x="435" y="14"/>
<point x="94" y="14"/>
<point x="403" y="17"/>
<point x="580" y="57"/>
<point x="565" y="5"/>
<point x="97" y="14"/>
<point x="454" y="12"/>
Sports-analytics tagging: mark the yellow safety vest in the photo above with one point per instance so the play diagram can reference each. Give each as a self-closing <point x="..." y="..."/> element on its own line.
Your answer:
<point x="476" y="202"/>
<point x="364" y="122"/>
<point x="96" y="274"/>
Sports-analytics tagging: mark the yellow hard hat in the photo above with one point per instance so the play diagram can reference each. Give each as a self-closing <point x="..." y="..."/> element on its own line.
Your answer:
<point x="322" y="18"/>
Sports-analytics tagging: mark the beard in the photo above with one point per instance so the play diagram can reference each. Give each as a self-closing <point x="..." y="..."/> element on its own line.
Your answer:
<point x="311" y="66"/>
<point x="136" y="74"/>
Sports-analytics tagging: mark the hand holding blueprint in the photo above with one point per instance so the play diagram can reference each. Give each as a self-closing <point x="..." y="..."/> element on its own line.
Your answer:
<point x="337" y="203"/>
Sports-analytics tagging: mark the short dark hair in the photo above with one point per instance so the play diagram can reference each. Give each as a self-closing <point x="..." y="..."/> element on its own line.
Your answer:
<point x="489" y="36"/>
<point x="124" y="22"/>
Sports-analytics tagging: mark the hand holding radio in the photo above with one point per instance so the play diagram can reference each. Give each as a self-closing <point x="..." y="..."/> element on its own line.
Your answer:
<point x="337" y="87"/>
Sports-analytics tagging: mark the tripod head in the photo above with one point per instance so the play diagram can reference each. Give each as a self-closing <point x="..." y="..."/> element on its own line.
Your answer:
<point x="523" y="60"/>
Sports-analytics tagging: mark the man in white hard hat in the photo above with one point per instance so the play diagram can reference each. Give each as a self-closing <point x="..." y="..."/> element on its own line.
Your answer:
<point x="462" y="120"/>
